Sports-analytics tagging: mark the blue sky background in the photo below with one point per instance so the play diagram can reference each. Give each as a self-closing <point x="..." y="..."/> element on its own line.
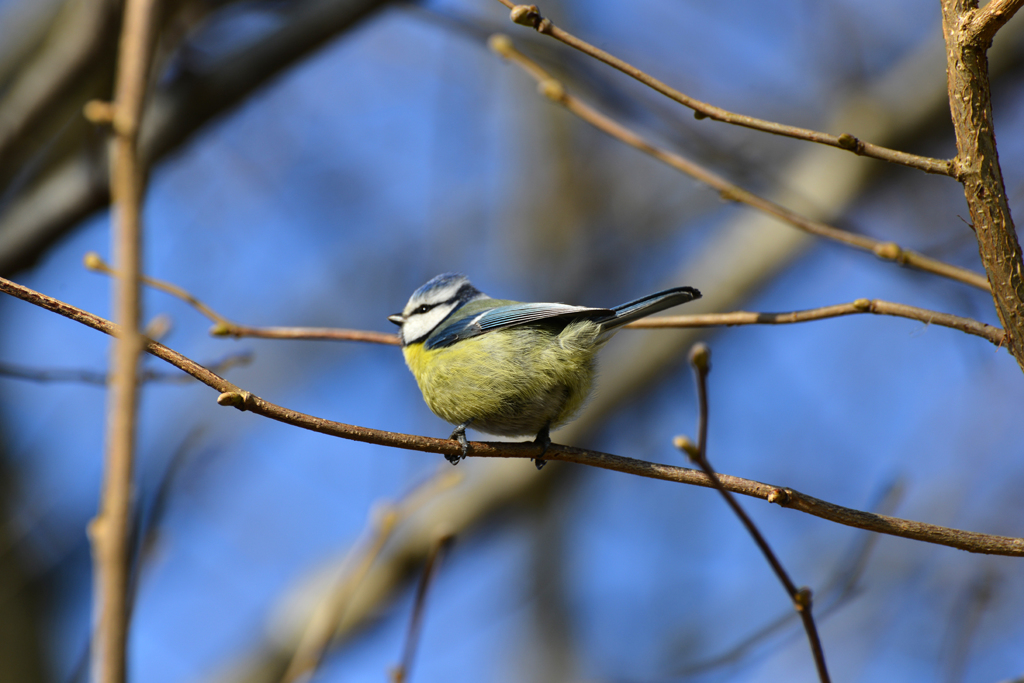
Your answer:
<point x="404" y="149"/>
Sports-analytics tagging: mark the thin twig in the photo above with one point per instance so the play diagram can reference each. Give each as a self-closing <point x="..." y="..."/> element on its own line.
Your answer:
<point x="95" y="263"/>
<point x="109" y="530"/>
<point x="232" y="395"/>
<point x="700" y="360"/>
<point x="837" y="590"/>
<point x="968" y="325"/>
<point x="889" y="251"/>
<point x="310" y="333"/>
<point x="226" y="328"/>
<point x="528" y="15"/>
<point x="400" y="674"/>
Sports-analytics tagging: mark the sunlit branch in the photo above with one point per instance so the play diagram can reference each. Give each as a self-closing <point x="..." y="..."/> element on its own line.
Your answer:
<point x="230" y="394"/>
<point x="889" y="251"/>
<point x="226" y="328"/>
<point x="986" y="21"/>
<point x="976" y="164"/>
<point x="858" y="306"/>
<point x="529" y="15"/>
<point x="109" y="530"/>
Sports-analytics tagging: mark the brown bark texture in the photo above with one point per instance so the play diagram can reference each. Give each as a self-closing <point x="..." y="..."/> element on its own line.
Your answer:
<point x="977" y="165"/>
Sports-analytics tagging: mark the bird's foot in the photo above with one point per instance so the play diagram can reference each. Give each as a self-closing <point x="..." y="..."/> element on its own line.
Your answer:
<point x="544" y="439"/>
<point x="459" y="434"/>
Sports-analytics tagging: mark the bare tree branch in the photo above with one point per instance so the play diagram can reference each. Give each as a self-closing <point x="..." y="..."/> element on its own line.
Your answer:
<point x="983" y="24"/>
<point x="977" y="163"/>
<point x="555" y="91"/>
<point x="226" y="328"/>
<point x="77" y="186"/>
<point x="529" y="15"/>
<point x="82" y="30"/>
<point x="876" y="306"/>
<point x="700" y="361"/>
<point x="110" y="531"/>
<point x="234" y="396"/>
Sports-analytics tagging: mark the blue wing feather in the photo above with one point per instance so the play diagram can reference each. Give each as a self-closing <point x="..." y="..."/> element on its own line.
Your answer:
<point x="510" y="315"/>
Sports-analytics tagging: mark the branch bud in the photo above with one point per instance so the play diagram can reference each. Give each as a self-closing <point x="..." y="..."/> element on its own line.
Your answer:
<point x="686" y="445"/>
<point x="847" y="141"/>
<point x="700" y="357"/>
<point x="94" y="261"/>
<point x="501" y="44"/>
<point x="890" y="251"/>
<point x="525" y="15"/>
<point x="235" y="399"/>
<point x="99" y="112"/>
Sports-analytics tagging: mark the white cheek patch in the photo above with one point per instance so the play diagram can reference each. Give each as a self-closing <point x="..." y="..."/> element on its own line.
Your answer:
<point x="419" y="325"/>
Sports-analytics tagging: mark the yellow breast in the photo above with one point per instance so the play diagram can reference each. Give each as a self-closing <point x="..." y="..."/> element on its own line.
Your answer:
<point x="513" y="382"/>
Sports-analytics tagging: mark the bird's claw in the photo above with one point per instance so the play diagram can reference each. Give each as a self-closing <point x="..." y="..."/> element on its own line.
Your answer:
<point x="543" y="438"/>
<point x="459" y="434"/>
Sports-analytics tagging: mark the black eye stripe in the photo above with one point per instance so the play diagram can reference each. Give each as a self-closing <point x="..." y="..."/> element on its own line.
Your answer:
<point x="462" y="295"/>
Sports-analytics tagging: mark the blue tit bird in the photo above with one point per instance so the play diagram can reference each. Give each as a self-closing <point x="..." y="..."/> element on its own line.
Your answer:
<point x="505" y="367"/>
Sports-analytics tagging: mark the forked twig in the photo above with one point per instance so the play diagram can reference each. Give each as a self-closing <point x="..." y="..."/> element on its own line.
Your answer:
<point x="889" y="251"/>
<point x="837" y="590"/>
<point x="225" y="328"/>
<point x="700" y="360"/>
<point x="529" y="15"/>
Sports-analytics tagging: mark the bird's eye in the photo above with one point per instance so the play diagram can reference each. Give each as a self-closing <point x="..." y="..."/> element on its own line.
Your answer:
<point x="423" y="308"/>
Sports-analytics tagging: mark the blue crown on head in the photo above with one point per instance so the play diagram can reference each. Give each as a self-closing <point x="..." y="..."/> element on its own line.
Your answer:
<point x="442" y="281"/>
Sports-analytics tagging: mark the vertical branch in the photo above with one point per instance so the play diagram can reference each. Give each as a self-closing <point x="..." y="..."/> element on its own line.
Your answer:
<point x="968" y="34"/>
<point x="315" y="639"/>
<point x="109" y="531"/>
<point x="700" y="359"/>
<point x="400" y="674"/>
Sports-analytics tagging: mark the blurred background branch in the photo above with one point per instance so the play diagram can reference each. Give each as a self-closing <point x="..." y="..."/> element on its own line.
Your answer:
<point x="47" y="187"/>
<point x="304" y="180"/>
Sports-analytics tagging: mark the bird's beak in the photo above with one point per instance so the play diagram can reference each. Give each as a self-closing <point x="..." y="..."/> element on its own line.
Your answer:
<point x="397" y="319"/>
